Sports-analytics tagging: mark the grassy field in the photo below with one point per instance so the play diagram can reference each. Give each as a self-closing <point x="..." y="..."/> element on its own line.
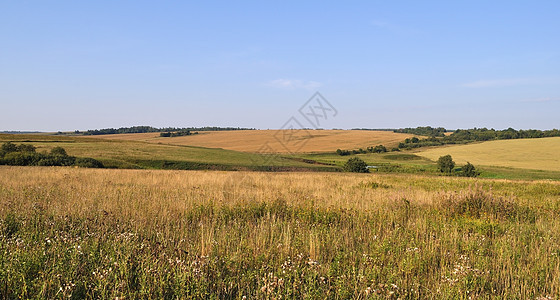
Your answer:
<point x="413" y="162"/>
<point x="135" y="154"/>
<point x="75" y="233"/>
<point x="535" y="154"/>
<point x="277" y="141"/>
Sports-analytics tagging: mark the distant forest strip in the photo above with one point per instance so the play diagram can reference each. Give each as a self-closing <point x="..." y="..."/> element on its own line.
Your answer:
<point x="437" y="137"/>
<point x="463" y="136"/>
<point x="144" y="129"/>
<point x="425" y="130"/>
<point x="474" y="134"/>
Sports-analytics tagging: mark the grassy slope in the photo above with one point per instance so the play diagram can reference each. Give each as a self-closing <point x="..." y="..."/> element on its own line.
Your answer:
<point x="277" y="141"/>
<point x="104" y="234"/>
<point x="132" y="154"/>
<point x="411" y="162"/>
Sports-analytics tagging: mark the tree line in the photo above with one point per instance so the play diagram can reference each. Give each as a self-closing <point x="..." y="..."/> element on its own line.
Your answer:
<point x="423" y="130"/>
<point x="145" y="129"/>
<point x="376" y="149"/>
<point x="463" y="136"/>
<point x="437" y="137"/>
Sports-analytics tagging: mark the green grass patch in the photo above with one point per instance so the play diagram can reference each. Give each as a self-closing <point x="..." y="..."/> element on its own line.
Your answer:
<point x="402" y="156"/>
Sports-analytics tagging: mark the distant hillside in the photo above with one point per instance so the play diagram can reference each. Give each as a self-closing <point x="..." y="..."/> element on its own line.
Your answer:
<point x="276" y="141"/>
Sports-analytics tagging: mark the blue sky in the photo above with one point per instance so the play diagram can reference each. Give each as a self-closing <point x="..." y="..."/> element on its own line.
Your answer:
<point x="67" y="65"/>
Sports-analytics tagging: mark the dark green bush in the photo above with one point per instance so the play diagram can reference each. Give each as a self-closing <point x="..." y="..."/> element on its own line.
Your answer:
<point x="9" y="147"/>
<point x="48" y="161"/>
<point x="58" y="151"/>
<point x="446" y="164"/>
<point x="469" y="170"/>
<point x="56" y="160"/>
<point x="176" y="133"/>
<point x="86" y="162"/>
<point x="379" y="149"/>
<point x="356" y="165"/>
<point x="26" y="148"/>
<point x="342" y="152"/>
<point x="21" y="158"/>
<point x="25" y="155"/>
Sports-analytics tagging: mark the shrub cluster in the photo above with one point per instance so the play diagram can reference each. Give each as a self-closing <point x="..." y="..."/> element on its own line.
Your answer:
<point x="356" y="165"/>
<point x="177" y="133"/>
<point x="447" y="165"/>
<point x="26" y="155"/>
<point x="376" y="149"/>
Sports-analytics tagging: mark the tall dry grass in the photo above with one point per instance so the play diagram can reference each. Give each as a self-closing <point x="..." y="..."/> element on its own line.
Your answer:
<point x="83" y="233"/>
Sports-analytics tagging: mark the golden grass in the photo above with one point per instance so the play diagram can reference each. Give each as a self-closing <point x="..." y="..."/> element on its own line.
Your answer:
<point x="277" y="141"/>
<point x="536" y="154"/>
<point x="94" y="233"/>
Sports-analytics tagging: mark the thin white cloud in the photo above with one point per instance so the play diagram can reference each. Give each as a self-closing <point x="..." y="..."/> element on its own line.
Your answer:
<point x="292" y="84"/>
<point x="499" y="82"/>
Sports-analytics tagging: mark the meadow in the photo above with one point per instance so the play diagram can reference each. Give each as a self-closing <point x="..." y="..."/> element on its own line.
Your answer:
<point x="143" y="234"/>
<point x="129" y="154"/>
<point x="525" y="159"/>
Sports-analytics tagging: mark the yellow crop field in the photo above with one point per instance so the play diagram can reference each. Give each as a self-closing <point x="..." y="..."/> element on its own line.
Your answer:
<point x="154" y="234"/>
<point x="536" y="154"/>
<point x="275" y="141"/>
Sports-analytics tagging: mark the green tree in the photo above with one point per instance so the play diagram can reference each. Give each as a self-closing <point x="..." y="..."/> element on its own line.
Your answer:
<point x="379" y="149"/>
<point x="9" y="147"/>
<point x="469" y="170"/>
<point x="26" y="148"/>
<point x="58" y="151"/>
<point x="446" y="164"/>
<point x="356" y="164"/>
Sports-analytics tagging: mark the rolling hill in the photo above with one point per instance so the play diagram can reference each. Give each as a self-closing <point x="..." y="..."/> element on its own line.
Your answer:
<point x="274" y="141"/>
<point x="142" y="155"/>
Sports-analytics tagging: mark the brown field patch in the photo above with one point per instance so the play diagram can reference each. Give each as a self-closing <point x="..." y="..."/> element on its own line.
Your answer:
<point x="275" y="141"/>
